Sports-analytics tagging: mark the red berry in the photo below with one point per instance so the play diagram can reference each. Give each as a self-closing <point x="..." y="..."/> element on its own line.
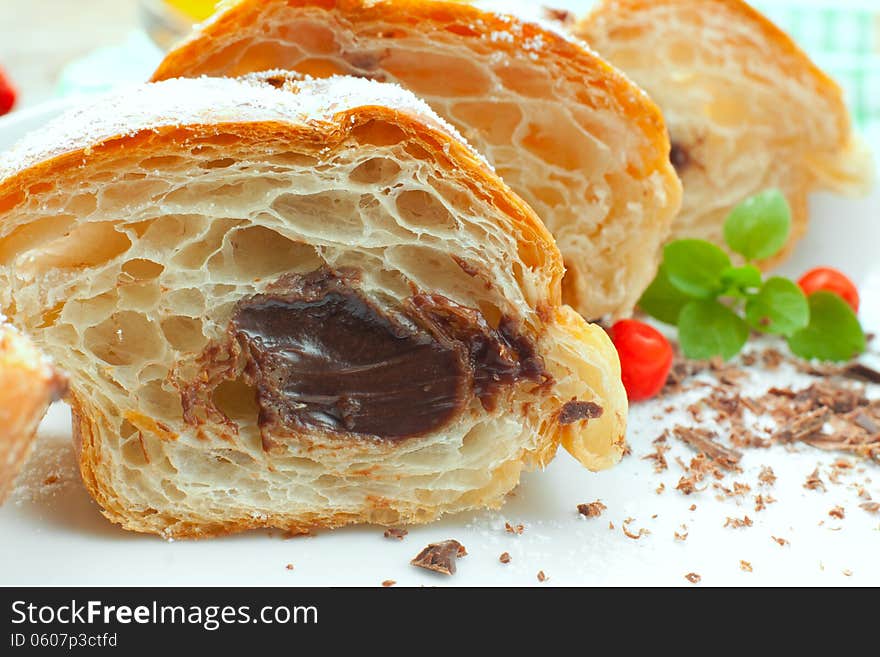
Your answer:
<point x="645" y="358"/>
<point x="830" y="280"/>
<point x="7" y="94"/>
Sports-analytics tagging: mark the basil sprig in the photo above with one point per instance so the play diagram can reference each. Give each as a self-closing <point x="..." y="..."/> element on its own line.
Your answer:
<point x="715" y="304"/>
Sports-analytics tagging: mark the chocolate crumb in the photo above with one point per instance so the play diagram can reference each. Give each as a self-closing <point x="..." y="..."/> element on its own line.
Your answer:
<point x="505" y="557"/>
<point x="542" y="577"/>
<point x="761" y="502"/>
<point x="693" y="578"/>
<point x="440" y="557"/>
<point x="289" y="566"/>
<point x="511" y="529"/>
<point x="745" y="566"/>
<point x="681" y="537"/>
<point x="688" y="486"/>
<point x="692" y="507"/>
<point x="563" y="16"/>
<point x="393" y="532"/>
<point x="814" y="481"/>
<point x="736" y="523"/>
<point x="781" y="541"/>
<point x="837" y="512"/>
<point x="591" y="510"/>
<point x="767" y="476"/>
<point x="629" y="534"/>
<point x="388" y="582"/>
<point x="575" y="411"/>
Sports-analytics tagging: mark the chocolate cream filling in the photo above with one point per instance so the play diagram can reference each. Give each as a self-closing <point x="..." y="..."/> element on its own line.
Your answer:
<point x="322" y="356"/>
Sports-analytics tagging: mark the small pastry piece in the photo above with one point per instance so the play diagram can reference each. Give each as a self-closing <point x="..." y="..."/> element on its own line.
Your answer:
<point x="293" y="307"/>
<point x="571" y="135"/>
<point x="28" y="384"/>
<point x="747" y="110"/>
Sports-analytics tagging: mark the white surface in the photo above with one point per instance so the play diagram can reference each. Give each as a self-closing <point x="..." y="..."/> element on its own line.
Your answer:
<point x="55" y="534"/>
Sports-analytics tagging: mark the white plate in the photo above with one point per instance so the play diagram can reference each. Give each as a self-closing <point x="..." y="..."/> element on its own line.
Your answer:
<point x="54" y="534"/>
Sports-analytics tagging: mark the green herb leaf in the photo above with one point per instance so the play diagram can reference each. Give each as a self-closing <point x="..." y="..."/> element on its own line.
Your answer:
<point x="834" y="332"/>
<point x="742" y="279"/>
<point x="708" y="328"/>
<point x="695" y="267"/>
<point x="780" y="308"/>
<point x="759" y="227"/>
<point x="662" y="300"/>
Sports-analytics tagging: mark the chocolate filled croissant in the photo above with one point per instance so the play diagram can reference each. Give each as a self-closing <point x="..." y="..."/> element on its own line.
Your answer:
<point x="295" y="307"/>
<point x="572" y="136"/>
<point x="746" y="108"/>
<point x="28" y="384"/>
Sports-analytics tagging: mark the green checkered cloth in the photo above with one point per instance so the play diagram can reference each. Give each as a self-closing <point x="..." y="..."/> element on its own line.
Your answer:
<point x="843" y="38"/>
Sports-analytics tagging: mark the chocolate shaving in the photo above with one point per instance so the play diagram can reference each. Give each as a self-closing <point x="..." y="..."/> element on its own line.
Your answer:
<point x="440" y="557"/>
<point x="767" y="476"/>
<point x="505" y="557"/>
<point x="563" y="16"/>
<point x="511" y="529"/>
<point x="395" y="533"/>
<point x="837" y="512"/>
<point x="591" y="510"/>
<point x="867" y="423"/>
<point x="575" y="411"/>
<point x="870" y="507"/>
<point x="736" y="523"/>
<point x="542" y="577"/>
<point x="388" y="582"/>
<point x="861" y="372"/>
<point x="703" y="441"/>
<point x="781" y="541"/>
<point x="658" y="456"/>
<point x="804" y="427"/>
<point x="629" y="534"/>
<point x="693" y="578"/>
<point x="814" y="481"/>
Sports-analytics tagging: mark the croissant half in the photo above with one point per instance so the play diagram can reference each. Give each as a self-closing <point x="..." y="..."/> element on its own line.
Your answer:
<point x="28" y="384"/>
<point x="572" y="136"/>
<point x="295" y="307"/>
<point x="746" y="108"/>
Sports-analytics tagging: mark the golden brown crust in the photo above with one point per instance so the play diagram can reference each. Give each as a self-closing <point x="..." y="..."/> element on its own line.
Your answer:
<point x="28" y="384"/>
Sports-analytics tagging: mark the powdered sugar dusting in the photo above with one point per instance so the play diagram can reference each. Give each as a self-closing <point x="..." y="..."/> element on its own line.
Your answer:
<point x="183" y="102"/>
